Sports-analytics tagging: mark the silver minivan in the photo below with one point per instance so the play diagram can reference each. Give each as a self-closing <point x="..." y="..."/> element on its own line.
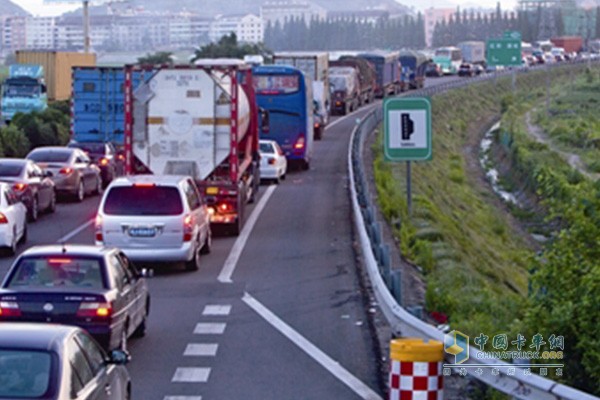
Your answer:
<point x="155" y="218"/>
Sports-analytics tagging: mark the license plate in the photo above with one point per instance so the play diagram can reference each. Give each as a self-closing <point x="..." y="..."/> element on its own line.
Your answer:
<point x="142" y="232"/>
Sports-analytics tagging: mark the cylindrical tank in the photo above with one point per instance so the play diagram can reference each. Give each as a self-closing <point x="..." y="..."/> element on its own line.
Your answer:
<point x="189" y="121"/>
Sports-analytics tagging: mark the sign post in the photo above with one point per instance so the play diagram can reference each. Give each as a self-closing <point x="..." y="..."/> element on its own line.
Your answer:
<point x="407" y="127"/>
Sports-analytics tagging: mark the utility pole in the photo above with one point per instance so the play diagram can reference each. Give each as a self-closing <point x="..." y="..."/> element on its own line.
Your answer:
<point x="86" y="26"/>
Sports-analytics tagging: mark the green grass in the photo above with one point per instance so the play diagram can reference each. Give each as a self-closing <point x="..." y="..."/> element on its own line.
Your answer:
<point x="475" y="264"/>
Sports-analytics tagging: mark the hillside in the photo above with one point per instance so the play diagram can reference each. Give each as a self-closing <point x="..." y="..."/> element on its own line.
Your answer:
<point x="9" y="8"/>
<point x="211" y="8"/>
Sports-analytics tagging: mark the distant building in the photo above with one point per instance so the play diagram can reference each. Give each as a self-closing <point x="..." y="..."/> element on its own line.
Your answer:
<point x="432" y="17"/>
<point x="39" y="32"/>
<point x="280" y="11"/>
<point x="13" y="34"/>
<point x="248" y="28"/>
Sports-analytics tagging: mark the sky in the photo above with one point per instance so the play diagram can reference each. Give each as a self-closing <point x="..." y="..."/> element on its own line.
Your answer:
<point x="57" y="7"/>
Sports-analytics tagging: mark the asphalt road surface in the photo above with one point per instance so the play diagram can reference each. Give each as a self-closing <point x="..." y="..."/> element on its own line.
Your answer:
<point x="276" y="313"/>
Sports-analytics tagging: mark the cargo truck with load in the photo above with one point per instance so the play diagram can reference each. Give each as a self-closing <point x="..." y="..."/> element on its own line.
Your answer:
<point x="315" y="65"/>
<point x="367" y="76"/>
<point x="345" y="90"/>
<point x="57" y="67"/>
<point x="23" y="91"/>
<point x="387" y="69"/>
<point x="200" y="121"/>
<point x="414" y="65"/>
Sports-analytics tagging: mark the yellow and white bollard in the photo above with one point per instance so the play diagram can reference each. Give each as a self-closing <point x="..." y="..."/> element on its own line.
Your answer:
<point x="416" y="370"/>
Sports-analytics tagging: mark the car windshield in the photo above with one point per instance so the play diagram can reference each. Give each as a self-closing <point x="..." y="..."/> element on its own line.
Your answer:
<point x="143" y="200"/>
<point x="50" y="156"/>
<point x="91" y="148"/>
<point x="24" y="374"/>
<point x="10" y="170"/>
<point x="57" y="271"/>
<point x="267" y="148"/>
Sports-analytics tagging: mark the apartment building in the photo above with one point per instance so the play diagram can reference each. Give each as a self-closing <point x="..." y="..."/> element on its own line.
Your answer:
<point x="280" y="11"/>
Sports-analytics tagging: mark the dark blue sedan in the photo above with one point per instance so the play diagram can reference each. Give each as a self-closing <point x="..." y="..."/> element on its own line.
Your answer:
<point x="95" y="288"/>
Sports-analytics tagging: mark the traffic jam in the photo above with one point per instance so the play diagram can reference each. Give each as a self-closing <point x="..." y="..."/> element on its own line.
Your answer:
<point x="165" y="188"/>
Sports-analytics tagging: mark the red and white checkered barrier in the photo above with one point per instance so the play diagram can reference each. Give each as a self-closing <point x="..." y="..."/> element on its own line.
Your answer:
<point x="416" y="381"/>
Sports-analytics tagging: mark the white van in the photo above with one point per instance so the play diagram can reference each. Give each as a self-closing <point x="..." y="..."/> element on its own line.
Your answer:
<point x="155" y="219"/>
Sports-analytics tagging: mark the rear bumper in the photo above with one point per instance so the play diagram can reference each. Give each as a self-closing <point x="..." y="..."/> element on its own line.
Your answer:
<point x="268" y="172"/>
<point x="67" y="184"/>
<point x="5" y="237"/>
<point x="153" y="254"/>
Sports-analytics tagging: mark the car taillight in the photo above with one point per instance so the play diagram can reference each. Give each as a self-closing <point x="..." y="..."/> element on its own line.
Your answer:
<point x="65" y="171"/>
<point x="3" y="219"/>
<point x="271" y="161"/>
<point x="299" y="145"/>
<point x="188" y="228"/>
<point x="19" y="187"/>
<point x="9" y="309"/>
<point x="224" y="208"/>
<point x="98" y="228"/>
<point x="94" y="309"/>
<point x="103" y="162"/>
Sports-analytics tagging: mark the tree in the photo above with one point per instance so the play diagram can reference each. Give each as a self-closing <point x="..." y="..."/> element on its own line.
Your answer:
<point x="159" y="58"/>
<point x="597" y="22"/>
<point x="228" y="47"/>
<point x="14" y="142"/>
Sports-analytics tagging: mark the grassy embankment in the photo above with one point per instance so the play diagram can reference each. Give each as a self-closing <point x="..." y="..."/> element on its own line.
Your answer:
<point x="476" y="262"/>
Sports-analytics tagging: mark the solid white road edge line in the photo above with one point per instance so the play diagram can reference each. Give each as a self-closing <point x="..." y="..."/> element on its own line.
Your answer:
<point x="314" y="352"/>
<point x="75" y="232"/>
<point x="240" y="243"/>
<point x="344" y="117"/>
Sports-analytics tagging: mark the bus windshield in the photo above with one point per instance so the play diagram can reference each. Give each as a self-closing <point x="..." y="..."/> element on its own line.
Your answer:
<point x="276" y="84"/>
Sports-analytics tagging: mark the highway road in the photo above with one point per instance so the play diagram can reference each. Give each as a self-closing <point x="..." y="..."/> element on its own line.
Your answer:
<point x="284" y="319"/>
<point x="276" y="313"/>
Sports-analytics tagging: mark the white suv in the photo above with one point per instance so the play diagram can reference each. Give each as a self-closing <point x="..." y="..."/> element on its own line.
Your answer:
<point x="155" y="218"/>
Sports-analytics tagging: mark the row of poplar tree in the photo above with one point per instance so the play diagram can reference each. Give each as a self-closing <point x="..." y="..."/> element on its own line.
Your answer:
<point x="409" y="31"/>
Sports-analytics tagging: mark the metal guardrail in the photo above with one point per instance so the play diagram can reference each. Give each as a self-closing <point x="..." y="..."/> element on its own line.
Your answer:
<point x="385" y="281"/>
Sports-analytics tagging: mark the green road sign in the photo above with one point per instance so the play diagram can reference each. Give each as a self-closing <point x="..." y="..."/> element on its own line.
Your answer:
<point x="514" y="35"/>
<point x="407" y="125"/>
<point x="505" y="52"/>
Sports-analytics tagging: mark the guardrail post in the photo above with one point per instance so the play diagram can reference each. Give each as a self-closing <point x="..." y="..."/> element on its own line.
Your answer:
<point x="396" y="285"/>
<point x="416" y="369"/>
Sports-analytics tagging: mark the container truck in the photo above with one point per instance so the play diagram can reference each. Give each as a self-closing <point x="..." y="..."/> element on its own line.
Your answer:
<point x="98" y="103"/>
<point x="315" y="66"/>
<point x="414" y="65"/>
<point x="387" y="69"/>
<point x="200" y="121"/>
<point x="23" y="91"/>
<point x="367" y="75"/>
<point x="57" y="69"/>
<point x="571" y="44"/>
<point x="473" y="52"/>
<point x="345" y="89"/>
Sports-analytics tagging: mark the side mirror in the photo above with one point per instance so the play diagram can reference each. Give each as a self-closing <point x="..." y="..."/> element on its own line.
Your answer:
<point x="119" y="357"/>
<point x="264" y="121"/>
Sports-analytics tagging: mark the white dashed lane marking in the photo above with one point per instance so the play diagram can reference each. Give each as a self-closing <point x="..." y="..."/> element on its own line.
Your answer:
<point x="201" y="349"/>
<point x="182" y="398"/>
<point x="191" y="375"/>
<point x="210" y="328"/>
<point x="216" y="310"/>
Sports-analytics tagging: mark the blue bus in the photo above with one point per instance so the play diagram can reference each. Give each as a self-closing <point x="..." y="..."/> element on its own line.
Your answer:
<point x="284" y="94"/>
